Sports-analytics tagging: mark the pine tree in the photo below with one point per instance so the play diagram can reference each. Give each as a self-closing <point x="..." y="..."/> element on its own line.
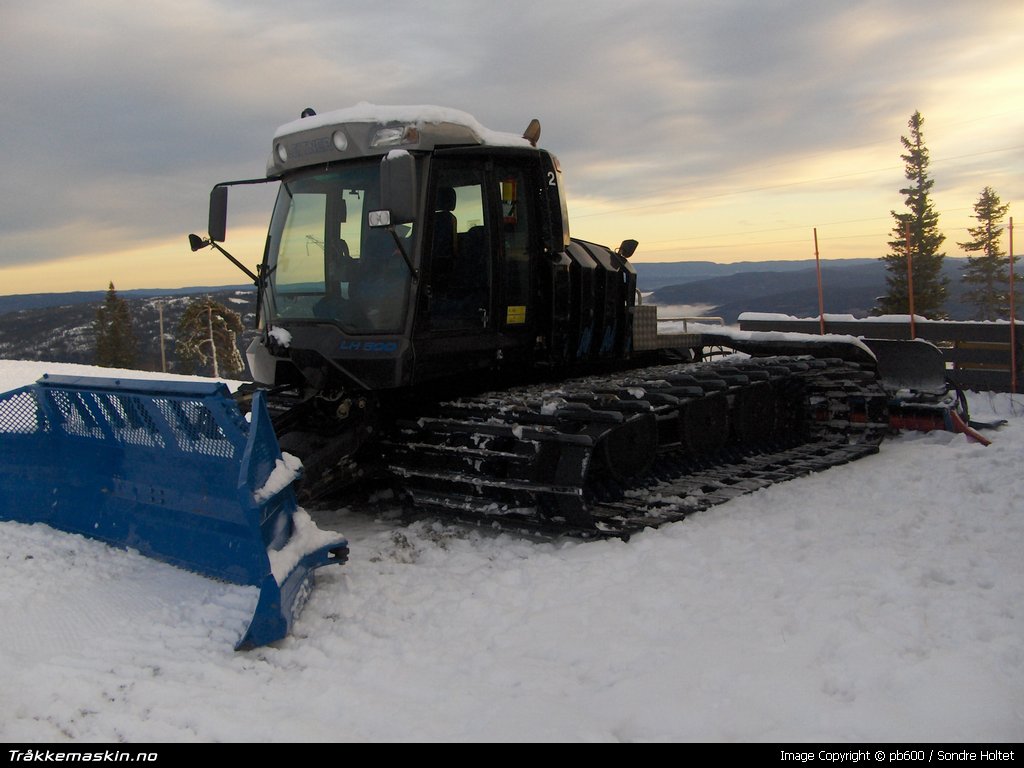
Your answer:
<point x="930" y="286"/>
<point x="989" y="273"/>
<point x="207" y="326"/>
<point x="115" y="338"/>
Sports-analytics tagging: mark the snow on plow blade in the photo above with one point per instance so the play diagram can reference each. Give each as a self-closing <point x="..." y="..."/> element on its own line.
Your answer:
<point x="171" y="469"/>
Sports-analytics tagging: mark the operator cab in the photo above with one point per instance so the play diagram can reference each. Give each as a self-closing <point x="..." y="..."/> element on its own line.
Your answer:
<point x="412" y="244"/>
<point x="402" y="250"/>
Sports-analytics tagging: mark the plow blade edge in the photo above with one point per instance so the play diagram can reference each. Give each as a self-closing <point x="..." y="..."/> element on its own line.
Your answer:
<point x="171" y="469"/>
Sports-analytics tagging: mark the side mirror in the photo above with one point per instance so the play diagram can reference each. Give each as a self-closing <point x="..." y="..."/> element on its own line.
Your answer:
<point x="398" y="186"/>
<point x="628" y="248"/>
<point x="218" y="214"/>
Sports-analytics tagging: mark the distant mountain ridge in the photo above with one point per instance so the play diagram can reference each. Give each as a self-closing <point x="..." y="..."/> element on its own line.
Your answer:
<point x="18" y="302"/>
<point x="59" y="328"/>
<point x="659" y="274"/>
<point x="848" y="287"/>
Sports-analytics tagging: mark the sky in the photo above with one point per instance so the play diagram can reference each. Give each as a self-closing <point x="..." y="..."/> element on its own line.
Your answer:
<point x="724" y="131"/>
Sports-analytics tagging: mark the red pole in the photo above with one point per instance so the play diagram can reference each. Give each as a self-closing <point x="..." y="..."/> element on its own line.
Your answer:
<point x="821" y="300"/>
<point x="910" y="281"/>
<point x="1013" y="320"/>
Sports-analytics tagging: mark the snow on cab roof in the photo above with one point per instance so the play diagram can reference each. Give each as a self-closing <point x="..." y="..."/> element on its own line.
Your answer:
<point x="422" y="115"/>
<point x="366" y="130"/>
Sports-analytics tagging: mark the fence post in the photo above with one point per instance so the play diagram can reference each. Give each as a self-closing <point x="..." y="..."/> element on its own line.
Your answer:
<point x="1013" y="320"/>
<point x="910" y="279"/>
<point x="821" y="299"/>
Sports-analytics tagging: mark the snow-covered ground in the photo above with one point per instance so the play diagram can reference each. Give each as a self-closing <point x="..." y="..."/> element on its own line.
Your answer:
<point x="883" y="600"/>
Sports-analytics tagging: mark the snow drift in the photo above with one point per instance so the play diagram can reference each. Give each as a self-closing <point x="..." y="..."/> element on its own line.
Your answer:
<point x="875" y="601"/>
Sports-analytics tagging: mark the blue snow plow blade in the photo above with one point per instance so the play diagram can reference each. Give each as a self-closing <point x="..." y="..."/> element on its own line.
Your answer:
<point x="172" y="469"/>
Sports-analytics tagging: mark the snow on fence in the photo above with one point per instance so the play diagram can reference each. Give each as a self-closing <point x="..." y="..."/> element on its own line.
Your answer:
<point x="978" y="354"/>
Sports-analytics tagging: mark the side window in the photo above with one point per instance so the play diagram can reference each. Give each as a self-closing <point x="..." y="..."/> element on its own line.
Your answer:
<point x="300" y="265"/>
<point x="460" y="271"/>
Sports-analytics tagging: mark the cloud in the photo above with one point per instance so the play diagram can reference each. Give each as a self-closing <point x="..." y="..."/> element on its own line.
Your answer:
<point x="119" y="116"/>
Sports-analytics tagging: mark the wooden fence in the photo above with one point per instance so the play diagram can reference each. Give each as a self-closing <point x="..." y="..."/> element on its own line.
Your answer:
<point x="977" y="354"/>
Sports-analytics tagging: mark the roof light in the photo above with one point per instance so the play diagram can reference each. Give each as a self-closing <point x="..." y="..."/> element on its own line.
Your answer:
<point x="391" y="136"/>
<point x="282" y="153"/>
<point x="340" y="140"/>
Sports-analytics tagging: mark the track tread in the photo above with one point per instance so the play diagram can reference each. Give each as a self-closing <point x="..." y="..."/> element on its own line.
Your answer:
<point x="532" y="457"/>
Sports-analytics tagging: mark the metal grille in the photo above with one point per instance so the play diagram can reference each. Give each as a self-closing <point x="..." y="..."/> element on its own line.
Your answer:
<point x="20" y="414"/>
<point x="194" y="427"/>
<point x="78" y="414"/>
<point x="129" y="421"/>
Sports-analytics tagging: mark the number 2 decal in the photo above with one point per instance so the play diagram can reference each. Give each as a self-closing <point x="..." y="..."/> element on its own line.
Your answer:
<point x="551" y="179"/>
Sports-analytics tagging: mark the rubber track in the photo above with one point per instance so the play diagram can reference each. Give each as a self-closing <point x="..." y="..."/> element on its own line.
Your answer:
<point x="609" y="456"/>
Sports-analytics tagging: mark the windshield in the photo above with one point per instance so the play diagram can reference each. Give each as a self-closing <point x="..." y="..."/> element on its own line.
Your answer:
<point x="327" y="263"/>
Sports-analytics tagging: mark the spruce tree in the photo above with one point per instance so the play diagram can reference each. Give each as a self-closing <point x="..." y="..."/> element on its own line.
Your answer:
<point x="930" y="286"/>
<point x="115" y="338"/>
<point x="207" y="327"/>
<point x="989" y="273"/>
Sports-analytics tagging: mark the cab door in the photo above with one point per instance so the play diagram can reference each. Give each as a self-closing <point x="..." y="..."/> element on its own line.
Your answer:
<point x="455" y="326"/>
<point x="518" y="253"/>
<point x="480" y="248"/>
